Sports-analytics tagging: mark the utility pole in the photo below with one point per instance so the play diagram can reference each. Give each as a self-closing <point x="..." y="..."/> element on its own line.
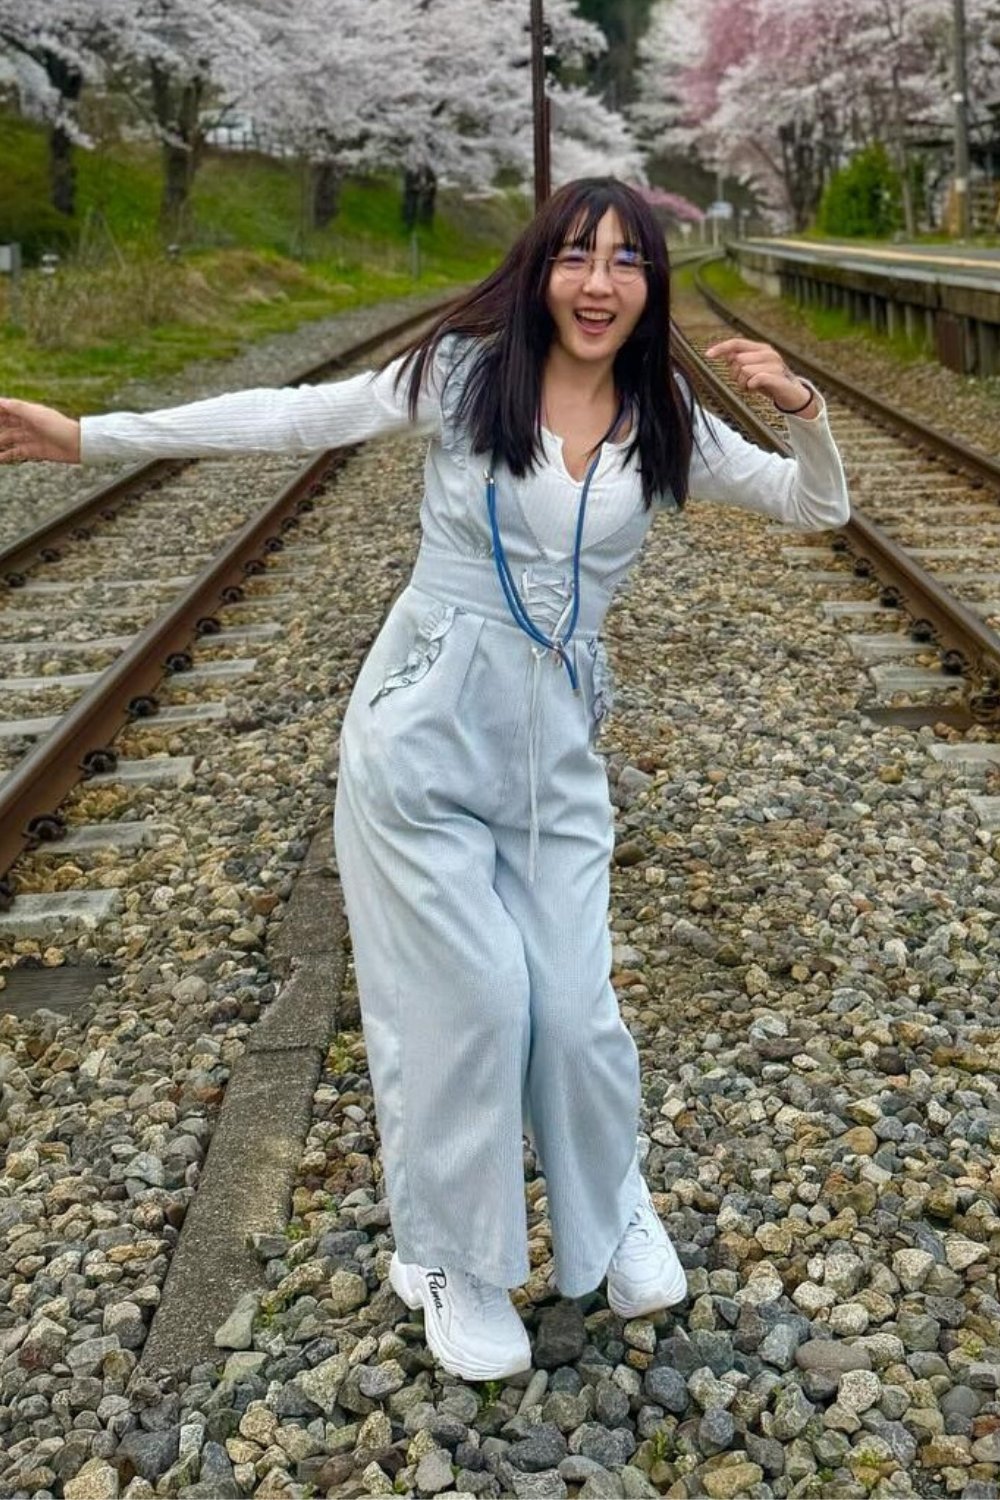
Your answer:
<point x="960" y="100"/>
<point x="540" y="105"/>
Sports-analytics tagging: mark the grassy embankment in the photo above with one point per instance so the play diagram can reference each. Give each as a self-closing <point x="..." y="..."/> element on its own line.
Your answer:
<point x="826" y="323"/>
<point x="119" y="308"/>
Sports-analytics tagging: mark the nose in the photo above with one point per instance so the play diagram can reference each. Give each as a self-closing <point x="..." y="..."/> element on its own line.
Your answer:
<point x="599" y="273"/>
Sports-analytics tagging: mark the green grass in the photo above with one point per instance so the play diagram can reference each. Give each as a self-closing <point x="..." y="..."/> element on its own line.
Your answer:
<point x="830" y="324"/>
<point x="119" y="309"/>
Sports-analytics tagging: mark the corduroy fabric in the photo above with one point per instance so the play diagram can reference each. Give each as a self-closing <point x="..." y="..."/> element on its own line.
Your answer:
<point x="485" y="998"/>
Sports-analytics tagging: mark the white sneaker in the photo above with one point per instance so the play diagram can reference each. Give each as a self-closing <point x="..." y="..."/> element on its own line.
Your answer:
<point x="472" y="1328"/>
<point x="644" y="1274"/>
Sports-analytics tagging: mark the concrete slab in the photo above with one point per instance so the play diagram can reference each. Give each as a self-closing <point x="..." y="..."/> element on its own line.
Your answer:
<point x="835" y="608"/>
<point x="13" y="729"/>
<point x="59" y="914"/>
<point x="987" y="810"/>
<point x="842" y="576"/>
<point x="806" y="554"/>
<point x="878" y="647"/>
<point x="56" y="680"/>
<point x="266" y="630"/>
<point x="189" y="713"/>
<point x="155" y="770"/>
<point x="255" y="1151"/>
<point x="974" y="751"/>
<point x="214" y="671"/>
<point x="151" y="584"/>
<point x="965" y="549"/>
<point x="972" y="576"/>
<point x="245" y="1189"/>
<point x="906" y="679"/>
<point x="67" y="648"/>
<point x="255" y="601"/>
<point x="123" y="835"/>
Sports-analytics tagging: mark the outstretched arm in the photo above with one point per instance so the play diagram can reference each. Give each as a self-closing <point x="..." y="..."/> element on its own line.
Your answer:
<point x="30" y="431"/>
<point x="303" y="419"/>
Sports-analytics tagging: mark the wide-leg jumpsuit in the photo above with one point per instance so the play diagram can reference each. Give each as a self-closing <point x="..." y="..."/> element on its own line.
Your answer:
<point x="473" y="825"/>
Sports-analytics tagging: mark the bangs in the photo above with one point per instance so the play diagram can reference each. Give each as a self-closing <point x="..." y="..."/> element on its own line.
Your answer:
<point x="581" y="220"/>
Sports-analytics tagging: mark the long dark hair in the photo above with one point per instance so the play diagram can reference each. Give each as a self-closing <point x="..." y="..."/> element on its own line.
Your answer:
<point x="500" y="402"/>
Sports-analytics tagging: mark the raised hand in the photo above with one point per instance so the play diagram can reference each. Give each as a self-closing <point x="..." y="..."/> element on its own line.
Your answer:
<point x="758" y="367"/>
<point x="29" y="432"/>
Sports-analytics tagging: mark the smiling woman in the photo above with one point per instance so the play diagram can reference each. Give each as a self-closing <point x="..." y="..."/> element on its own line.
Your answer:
<point x="473" y="823"/>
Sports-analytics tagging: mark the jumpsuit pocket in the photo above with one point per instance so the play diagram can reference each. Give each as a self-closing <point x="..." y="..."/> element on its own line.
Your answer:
<point x="603" y="681"/>
<point x="423" y="653"/>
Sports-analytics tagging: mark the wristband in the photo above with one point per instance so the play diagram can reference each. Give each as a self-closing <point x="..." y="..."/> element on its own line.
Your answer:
<point x="794" y="410"/>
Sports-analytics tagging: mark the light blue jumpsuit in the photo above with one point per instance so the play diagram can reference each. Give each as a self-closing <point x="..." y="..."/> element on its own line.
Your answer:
<point x="473" y="824"/>
<point x="483" y="963"/>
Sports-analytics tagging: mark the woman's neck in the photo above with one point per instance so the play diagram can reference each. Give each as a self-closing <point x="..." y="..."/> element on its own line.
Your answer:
<point x="588" y="384"/>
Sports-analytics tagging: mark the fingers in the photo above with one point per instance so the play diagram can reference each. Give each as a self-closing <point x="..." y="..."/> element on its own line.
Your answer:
<point x="728" y="347"/>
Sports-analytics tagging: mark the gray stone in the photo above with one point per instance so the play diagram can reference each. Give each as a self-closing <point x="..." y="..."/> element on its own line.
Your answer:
<point x="564" y="1410"/>
<point x="149" y="1454"/>
<point x="323" y="1382"/>
<point x="379" y="1381"/>
<point x="831" y="1355"/>
<point x="767" y="1452"/>
<point x="545" y="1449"/>
<point x="779" y="1347"/>
<point x="434" y="1472"/>
<point x="961" y="1400"/>
<point x="611" y="1405"/>
<point x="667" y="1388"/>
<point x="611" y="1449"/>
<point x="561" y="1336"/>
<point x="791" y="1414"/>
<point x="237" y="1331"/>
<point x="547" y="1485"/>
<point x="715" y="1430"/>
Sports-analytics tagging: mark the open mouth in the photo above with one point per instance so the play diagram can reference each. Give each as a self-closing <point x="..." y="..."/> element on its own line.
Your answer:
<point x="593" y="322"/>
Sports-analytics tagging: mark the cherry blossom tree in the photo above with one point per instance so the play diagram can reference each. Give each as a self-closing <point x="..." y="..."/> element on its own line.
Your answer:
<point x="50" y="56"/>
<point x="782" y="92"/>
<point x="186" y="66"/>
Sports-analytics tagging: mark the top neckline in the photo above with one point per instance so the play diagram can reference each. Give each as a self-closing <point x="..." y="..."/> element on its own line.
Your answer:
<point x="606" y="446"/>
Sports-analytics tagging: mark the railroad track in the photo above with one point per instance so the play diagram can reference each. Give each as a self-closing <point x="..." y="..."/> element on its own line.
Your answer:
<point x="943" y="588"/>
<point x="125" y="610"/>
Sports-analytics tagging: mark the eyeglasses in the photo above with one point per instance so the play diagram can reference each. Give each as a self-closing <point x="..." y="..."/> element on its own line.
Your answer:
<point x="624" y="266"/>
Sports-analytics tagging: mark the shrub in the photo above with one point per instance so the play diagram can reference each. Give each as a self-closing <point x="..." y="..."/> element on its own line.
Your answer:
<point x="863" y="198"/>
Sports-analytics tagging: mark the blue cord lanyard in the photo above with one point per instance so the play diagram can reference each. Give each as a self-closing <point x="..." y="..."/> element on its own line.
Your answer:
<point x="515" y="603"/>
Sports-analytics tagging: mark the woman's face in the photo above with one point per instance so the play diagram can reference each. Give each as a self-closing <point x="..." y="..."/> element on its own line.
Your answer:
<point x="594" y="299"/>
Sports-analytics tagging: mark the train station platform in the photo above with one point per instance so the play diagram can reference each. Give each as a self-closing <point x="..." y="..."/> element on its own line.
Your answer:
<point x="949" y="296"/>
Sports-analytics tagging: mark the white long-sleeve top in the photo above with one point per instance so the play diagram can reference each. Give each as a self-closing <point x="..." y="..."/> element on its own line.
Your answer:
<point x="808" y="490"/>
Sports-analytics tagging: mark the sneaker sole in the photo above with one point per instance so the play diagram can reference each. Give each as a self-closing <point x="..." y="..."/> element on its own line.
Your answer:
<point x="409" y="1290"/>
<point x="678" y="1292"/>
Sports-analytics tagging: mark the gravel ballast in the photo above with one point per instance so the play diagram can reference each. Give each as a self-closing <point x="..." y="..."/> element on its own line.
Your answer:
<point x="805" y="948"/>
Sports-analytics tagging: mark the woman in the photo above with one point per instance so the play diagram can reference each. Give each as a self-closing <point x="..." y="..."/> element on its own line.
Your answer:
<point x="473" y="825"/>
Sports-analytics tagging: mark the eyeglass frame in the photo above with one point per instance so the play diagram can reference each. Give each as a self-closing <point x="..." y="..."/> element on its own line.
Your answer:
<point x="592" y="260"/>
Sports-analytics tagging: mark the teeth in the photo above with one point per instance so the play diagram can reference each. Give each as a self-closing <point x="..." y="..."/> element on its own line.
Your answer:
<point x="586" y="317"/>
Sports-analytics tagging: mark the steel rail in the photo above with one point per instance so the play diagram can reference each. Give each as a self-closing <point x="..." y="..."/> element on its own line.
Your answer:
<point x="967" y="646"/>
<point x="125" y="691"/>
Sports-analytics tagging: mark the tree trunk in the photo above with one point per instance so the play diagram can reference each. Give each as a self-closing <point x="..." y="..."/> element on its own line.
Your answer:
<point x="177" y="111"/>
<point x="326" y="181"/>
<point x="902" y="156"/>
<point x="411" y="198"/>
<point x="419" y="196"/>
<point x="428" y="196"/>
<point x="62" y="170"/>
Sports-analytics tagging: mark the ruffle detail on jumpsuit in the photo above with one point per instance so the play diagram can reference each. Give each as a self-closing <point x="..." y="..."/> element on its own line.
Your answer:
<point x="422" y="654"/>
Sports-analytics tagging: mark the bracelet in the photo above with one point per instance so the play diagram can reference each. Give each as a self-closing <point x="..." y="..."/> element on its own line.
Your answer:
<point x="794" y="410"/>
